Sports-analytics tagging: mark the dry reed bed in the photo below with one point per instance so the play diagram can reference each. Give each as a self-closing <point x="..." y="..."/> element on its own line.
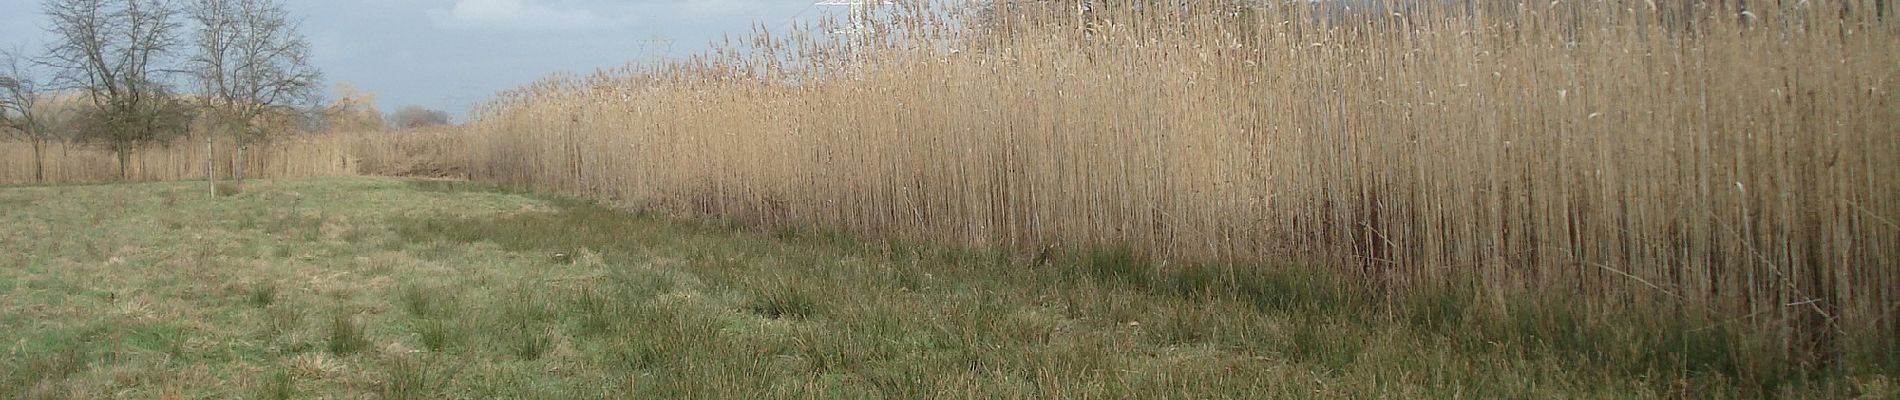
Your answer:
<point x="433" y="154"/>
<point x="1728" y="170"/>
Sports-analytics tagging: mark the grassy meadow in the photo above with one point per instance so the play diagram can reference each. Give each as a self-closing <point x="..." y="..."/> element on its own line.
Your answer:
<point x="1026" y="199"/>
<point x="387" y="288"/>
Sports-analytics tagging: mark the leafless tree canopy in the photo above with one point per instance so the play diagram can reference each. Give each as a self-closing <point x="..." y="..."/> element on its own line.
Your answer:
<point x="250" y="56"/>
<point x="17" y="91"/>
<point x="22" y="115"/>
<point x="353" y="111"/>
<point x="250" y="60"/>
<point x="113" y="51"/>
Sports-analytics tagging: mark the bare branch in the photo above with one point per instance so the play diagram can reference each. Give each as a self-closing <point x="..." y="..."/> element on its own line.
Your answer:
<point x="115" y="52"/>
<point x="250" y="55"/>
<point x="251" y="63"/>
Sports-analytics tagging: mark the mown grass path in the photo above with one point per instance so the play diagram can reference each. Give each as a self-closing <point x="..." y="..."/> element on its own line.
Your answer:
<point x="383" y="288"/>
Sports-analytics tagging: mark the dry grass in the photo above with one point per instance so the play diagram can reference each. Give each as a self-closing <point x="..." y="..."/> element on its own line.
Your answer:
<point x="420" y="153"/>
<point x="1696" y="168"/>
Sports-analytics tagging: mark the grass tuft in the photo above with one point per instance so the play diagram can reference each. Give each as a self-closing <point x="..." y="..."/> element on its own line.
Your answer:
<point x="440" y="334"/>
<point x="281" y="320"/>
<point x="226" y="189"/>
<point x="1196" y="281"/>
<point x="346" y="334"/>
<point x="262" y="294"/>
<point x="599" y="310"/>
<point x="450" y="186"/>
<point x="1303" y="292"/>
<point x="412" y="378"/>
<point x="424" y="302"/>
<point x="1439" y="309"/>
<point x="41" y="375"/>
<point x="1330" y="344"/>
<point x="1119" y="264"/>
<point x="280" y="385"/>
<point x="784" y="301"/>
<point x="527" y="342"/>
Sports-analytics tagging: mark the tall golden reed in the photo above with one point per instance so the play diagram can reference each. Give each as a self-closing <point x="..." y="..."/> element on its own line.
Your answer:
<point x="1726" y="166"/>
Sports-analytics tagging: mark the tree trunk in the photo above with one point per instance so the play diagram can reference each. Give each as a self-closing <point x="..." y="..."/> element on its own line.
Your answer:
<point x="211" y="152"/>
<point x="39" y="161"/>
<point x="237" y="167"/>
<point x="125" y="157"/>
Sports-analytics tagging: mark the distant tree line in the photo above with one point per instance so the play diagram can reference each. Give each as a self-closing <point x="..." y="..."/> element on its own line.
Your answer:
<point x="412" y="117"/>
<point x="124" y="74"/>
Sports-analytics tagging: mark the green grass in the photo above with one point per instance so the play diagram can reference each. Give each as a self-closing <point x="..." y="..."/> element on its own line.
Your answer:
<point x="225" y="189"/>
<point x="346" y="335"/>
<point x="380" y="288"/>
<point x="263" y="294"/>
<point x="279" y="386"/>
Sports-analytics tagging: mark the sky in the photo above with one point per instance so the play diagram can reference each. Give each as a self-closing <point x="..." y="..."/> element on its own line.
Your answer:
<point x="452" y="54"/>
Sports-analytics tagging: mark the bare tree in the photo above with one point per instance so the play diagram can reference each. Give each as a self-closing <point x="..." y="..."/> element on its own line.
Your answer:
<point x="250" y="59"/>
<point x="112" y="50"/>
<point x="410" y="117"/>
<point x="354" y="111"/>
<point x="24" y="107"/>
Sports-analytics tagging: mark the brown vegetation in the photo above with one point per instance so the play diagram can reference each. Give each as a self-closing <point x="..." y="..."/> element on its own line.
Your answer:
<point x="431" y="154"/>
<point x="413" y="117"/>
<point x="1698" y="165"/>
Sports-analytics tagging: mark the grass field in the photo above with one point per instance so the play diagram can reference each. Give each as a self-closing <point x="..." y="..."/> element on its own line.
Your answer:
<point x="384" y="288"/>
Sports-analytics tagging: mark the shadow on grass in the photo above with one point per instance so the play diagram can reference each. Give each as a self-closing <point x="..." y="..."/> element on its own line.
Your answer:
<point x="1643" y="345"/>
<point x="451" y="186"/>
<point x="559" y="235"/>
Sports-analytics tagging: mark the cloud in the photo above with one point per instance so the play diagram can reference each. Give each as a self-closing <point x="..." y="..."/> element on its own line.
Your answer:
<point x="515" y="14"/>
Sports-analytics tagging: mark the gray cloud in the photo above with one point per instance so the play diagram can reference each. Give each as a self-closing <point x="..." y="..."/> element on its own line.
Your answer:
<point x="515" y="14"/>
